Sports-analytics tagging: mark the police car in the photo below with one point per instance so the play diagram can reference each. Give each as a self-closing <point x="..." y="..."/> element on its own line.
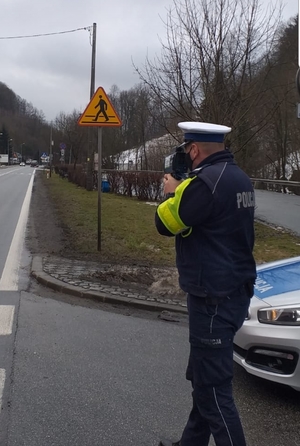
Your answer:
<point x="268" y="344"/>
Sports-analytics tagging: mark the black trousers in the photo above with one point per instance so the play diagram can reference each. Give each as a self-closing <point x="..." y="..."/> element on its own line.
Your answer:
<point x="210" y="369"/>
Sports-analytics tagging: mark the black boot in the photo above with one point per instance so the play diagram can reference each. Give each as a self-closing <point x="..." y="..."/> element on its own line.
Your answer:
<point x="169" y="443"/>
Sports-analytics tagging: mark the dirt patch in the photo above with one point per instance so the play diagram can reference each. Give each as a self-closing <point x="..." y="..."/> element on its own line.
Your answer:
<point x="161" y="282"/>
<point x="45" y="233"/>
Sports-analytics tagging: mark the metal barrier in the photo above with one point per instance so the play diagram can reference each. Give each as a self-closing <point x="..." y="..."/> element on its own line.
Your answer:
<point x="277" y="185"/>
<point x="282" y="182"/>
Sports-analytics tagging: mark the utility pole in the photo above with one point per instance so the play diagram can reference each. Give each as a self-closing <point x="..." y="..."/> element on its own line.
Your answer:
<point x="89" y="174"/>
<point x="50" y="151"/>
<point x="99" y="135"/>
<point x="8" y="163"/>
<point x="93" y="66"/>
<point x="8" y="147"/>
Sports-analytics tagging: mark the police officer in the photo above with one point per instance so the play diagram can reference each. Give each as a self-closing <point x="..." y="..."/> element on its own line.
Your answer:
<point x="211" y="215"/>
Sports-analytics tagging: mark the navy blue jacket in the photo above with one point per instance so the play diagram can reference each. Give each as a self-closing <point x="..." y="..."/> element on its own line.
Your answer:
<point x="212" y="218"/>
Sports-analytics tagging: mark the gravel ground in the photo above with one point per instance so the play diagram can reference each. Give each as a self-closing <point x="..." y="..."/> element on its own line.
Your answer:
<point x="45" y="234"/>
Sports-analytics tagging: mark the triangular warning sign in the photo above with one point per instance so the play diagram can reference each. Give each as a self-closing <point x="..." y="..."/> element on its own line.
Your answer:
<point x="100" y="112"/>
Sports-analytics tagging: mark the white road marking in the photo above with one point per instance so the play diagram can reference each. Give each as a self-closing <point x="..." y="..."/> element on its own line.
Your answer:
<point x="2" y="381"/>
<point x="9" y="278"/>
<point x="6" y="173"/>
<point x="6" y="324"/>
<point x="6" y="319"/>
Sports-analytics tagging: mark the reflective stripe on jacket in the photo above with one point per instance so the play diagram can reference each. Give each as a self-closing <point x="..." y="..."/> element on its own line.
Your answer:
<point x="168" y="211"/>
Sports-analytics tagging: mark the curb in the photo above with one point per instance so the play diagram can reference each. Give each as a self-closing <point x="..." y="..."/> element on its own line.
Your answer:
<point x="57" y="285"/>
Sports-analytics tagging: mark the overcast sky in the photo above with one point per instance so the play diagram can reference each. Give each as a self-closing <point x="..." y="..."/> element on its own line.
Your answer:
<point x="53" y="72"/>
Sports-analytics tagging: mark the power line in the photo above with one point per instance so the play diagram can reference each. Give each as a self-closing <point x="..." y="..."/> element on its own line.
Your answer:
<point x="88" y="28"/>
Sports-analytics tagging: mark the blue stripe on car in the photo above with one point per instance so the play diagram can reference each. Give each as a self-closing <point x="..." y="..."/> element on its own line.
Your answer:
<point x="277" y="280"/>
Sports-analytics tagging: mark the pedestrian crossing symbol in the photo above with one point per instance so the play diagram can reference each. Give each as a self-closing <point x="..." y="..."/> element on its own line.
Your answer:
<point x="100" y="112"/>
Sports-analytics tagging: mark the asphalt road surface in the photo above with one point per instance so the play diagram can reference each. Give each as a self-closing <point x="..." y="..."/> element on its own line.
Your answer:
<point x="278" y="209"/>
<point x="15" y="192"/>
<point x="99" y="376"/>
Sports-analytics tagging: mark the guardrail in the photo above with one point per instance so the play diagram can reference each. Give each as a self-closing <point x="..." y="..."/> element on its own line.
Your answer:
<point x="282" y="182"/>
<point x="277" y="185"/>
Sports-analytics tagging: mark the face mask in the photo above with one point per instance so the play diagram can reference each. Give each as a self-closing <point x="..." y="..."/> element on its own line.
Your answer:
<point x="188" y="161"/>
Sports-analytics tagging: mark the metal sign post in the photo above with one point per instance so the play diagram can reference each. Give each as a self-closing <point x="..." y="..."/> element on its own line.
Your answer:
<point x="99" y="184"/>
<point x="99" y="113"/>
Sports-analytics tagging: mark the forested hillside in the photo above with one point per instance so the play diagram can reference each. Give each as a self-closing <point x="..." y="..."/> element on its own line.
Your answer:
<point x="22" y="126"/>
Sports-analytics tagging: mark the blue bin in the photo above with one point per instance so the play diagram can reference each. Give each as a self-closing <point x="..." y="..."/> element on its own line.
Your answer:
<point x="105" y="186"/>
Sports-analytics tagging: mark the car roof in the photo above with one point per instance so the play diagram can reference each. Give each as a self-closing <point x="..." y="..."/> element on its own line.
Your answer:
<point x="278" y="277"/>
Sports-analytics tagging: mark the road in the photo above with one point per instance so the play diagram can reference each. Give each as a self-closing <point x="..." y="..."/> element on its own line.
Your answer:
<point x="279" y="209"/>
<point x="15" y="191"/>
<point x="81" y="373"/>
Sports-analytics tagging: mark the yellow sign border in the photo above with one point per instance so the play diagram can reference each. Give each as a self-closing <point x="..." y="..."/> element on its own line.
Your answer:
<point x="98" y="92"/>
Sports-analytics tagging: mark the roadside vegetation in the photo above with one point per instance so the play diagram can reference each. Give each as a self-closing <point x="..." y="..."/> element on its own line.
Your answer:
<point x="128" y="231"/>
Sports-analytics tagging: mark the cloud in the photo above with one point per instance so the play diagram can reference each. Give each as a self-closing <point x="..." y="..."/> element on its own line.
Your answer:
<point x="53" y="72"/>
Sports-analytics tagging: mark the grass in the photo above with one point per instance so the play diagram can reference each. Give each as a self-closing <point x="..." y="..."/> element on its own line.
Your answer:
<point x="272" y="244"/>
<point x="128" y="233"/>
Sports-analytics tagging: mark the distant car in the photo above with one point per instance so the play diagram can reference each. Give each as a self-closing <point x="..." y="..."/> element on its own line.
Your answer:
<point x="22" y="164"/>
<point x="33" y="163"/>
<point x="268" y="344"/>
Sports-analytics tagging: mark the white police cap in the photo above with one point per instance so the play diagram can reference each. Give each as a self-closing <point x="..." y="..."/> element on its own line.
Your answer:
<point x="203" y="131"/>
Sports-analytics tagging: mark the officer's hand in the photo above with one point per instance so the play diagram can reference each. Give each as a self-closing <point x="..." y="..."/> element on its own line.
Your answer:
<point x="170" y="184"/>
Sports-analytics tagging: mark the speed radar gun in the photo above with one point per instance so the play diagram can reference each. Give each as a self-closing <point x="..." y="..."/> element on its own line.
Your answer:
<point x="175" y="163"/>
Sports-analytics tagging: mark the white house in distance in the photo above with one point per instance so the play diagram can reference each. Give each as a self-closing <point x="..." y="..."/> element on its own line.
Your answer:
<point x="134" y="159"/>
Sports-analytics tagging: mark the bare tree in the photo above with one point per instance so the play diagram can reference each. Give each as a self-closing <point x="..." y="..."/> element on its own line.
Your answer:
<point x="138" y="113"/>
<point x="281" y="135"/>
<point x="75" y="136"/>
<point x="209" y="63"/>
